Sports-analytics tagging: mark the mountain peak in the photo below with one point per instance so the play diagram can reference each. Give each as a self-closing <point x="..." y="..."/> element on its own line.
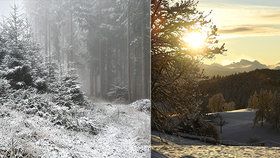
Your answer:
<point x="243" y="65"/>
<point x="216" y="64"/>
<point x="244" y="60"/>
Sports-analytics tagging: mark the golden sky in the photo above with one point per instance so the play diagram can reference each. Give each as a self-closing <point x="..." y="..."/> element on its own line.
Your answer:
<point x="250" y="29"/>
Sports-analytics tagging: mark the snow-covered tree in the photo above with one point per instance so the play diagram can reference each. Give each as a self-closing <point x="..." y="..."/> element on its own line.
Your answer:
<point x="106" y="41"/>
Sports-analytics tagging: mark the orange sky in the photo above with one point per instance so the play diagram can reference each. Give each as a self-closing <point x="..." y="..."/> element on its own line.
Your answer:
<point x="250" y="29"/>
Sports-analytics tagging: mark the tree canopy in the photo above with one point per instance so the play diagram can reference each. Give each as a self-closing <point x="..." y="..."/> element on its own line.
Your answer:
<point x="175" y="70"/>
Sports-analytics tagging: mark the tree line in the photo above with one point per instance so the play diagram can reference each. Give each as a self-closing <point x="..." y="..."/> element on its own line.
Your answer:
<point x="265" y="102"/>
<point x="239" y="87"/>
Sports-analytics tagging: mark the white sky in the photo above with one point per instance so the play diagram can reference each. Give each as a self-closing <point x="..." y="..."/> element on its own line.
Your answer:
<point x="5" y="6"/>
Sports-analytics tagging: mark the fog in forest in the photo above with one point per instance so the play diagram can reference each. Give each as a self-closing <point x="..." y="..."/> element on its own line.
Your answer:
<point x="75" y="78"/>
<point x="106" y="43"/>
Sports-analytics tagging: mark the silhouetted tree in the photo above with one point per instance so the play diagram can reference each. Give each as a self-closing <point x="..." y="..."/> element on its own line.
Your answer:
<point x="264" y="100"/>
<point x="273" y="116"/>
<point x="175" y="72"/>
<point x="216" y="103"/>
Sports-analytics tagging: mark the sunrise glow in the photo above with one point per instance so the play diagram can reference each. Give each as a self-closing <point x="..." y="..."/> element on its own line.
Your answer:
<point x="195" y="39"/>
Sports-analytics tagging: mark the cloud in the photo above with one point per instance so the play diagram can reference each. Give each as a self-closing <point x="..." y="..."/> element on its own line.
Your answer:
<point x="241" y="15"/>
<point x="272" y="15"/>
<point x="249" y="30"/>
<point x="238" y="19"/>
<point x="237" y="29"/>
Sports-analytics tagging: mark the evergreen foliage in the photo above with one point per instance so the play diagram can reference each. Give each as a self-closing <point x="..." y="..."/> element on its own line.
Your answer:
<point x="35" y="87"/>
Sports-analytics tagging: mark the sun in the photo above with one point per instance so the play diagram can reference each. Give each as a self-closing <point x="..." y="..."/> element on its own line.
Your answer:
<point x="195" y="39"/>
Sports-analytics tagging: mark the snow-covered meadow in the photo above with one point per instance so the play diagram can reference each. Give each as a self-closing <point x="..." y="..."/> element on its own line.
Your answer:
<point x="120" y="131"/>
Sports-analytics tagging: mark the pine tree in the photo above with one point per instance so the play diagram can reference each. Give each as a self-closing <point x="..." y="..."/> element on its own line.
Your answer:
<point x="19" y="60"/>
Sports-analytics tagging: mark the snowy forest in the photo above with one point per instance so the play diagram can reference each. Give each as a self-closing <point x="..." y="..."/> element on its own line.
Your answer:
<point x="75" y="79"/>
<point x="106" y="41"/>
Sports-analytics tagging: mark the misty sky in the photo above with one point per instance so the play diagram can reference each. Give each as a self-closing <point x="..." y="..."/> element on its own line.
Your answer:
<point x="250" y="29"/>
<point x="5" y="6"/>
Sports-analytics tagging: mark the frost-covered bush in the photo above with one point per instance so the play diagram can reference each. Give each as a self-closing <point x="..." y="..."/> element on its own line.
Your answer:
<point x="15" y="153"/>
<point x="4" y="114"/>
<point x="2" y="54"/>
<point x="68" y="93"/>
<point x="2" y="73"/>
<point x="142" y="105"/>
<point x="4" y="87"/>
<point x="41" y="85"/>
<point x="19" y="77"/>
<point x="32" y="103"/>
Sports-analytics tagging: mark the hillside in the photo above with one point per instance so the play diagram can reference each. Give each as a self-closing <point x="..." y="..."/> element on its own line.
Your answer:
<point x="239" y="87"/>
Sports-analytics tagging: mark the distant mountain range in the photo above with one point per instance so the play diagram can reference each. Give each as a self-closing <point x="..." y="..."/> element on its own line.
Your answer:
<point x="236" y="67"/>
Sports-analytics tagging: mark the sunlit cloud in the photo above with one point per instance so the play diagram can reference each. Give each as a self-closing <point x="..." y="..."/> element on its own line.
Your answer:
<point x="236" y="20"/>
<point x="249" y="31"/>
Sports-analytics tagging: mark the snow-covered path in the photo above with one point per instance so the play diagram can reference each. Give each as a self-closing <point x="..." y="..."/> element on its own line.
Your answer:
<point x="124" y="132"/>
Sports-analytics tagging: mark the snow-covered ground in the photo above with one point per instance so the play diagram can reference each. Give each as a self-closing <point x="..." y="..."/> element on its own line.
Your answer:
<point x="239" y="129"/>
<point x="123" y="132"/>
<point x="174" y="147"/>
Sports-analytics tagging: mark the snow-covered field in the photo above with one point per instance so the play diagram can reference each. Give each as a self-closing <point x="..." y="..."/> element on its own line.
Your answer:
<point x="239" y="129"/>
<point x="123" y="131"/>
<point x="175" y="147"/>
